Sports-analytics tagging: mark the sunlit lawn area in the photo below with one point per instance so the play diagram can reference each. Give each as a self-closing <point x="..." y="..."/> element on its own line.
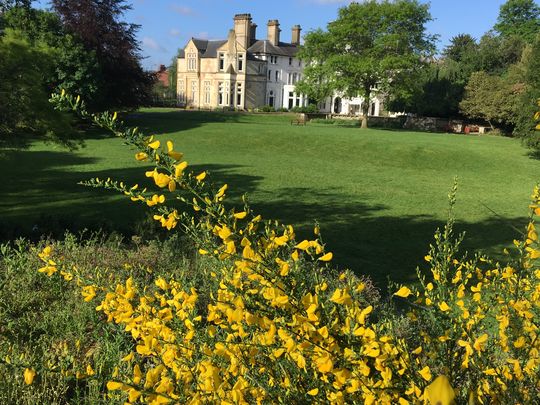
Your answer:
<point x="378" y="195"/>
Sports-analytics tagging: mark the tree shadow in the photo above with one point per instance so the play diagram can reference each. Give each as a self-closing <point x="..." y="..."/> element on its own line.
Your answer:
<point x="180" y="120"/>
<point x="42" y="194"/>
<point x="370" y="242"/>
<point x="45" y="198"/>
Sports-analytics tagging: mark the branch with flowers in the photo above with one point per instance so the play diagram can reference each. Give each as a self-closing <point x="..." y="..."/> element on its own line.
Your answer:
<point x="274" y="322"/>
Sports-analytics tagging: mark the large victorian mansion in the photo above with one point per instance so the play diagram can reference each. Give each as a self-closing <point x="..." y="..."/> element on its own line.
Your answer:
<point x="243" y="72"/>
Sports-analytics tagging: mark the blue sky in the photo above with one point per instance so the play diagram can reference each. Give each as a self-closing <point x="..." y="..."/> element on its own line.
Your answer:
<point x="167" y="25"/>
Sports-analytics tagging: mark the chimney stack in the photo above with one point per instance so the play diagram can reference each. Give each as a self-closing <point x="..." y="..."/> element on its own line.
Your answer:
<point x="273" y="32"/>
<point x="296" y="35"/>
<point x="253" y="33"/>
<point x="242" y="29"/>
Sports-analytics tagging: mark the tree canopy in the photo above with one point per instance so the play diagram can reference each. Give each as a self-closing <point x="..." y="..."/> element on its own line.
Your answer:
<point x="24" y="106"/>
<point x="373" y="44"/>
<point x="99" y="25"/>
<point x="520" y="18"/>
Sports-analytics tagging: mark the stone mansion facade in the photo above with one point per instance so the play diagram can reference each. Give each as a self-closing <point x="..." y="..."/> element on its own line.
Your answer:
<point x="243" y="72"/>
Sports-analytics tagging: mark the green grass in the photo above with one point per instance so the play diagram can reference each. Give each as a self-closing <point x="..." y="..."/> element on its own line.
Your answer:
<point x="378" y="195"/>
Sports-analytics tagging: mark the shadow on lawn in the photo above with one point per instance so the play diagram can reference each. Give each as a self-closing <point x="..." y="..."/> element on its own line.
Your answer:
<point x="41" y="196"/>
<point x="157" y="122"/>
<point x="368" y="242"/>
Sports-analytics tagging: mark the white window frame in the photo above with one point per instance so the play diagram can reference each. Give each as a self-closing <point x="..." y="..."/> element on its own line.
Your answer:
<point x="193" y="91"/>
<point x="207" y="92"/>
<point x="181" y="86"/>
<point x="192" y="62"/>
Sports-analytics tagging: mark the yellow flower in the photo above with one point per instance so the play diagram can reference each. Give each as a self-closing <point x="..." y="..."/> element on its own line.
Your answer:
<point x="141" y="156"/>
<point x="175" y="155"/>
<point x="324" y="363"/>
<point x="327" y="257"/>
<point x="403" y="292"/>
<point x="480" y="342"/>
<point x="426" y="373"/>
<point x="90" y="370"/>
<point x="444" y="307"/>
<point x="45" y="253"/>
<point x="154" y="145"/>
<point x="302" y="245"/>
<point x="179" y="169"/>
<point x="156" y="199"/>
<point x="115" y="385"/>
<point x="520" y="342"/>
<point x="49" y="269"/>
<point x="440" y="392"/>
<point x="221" y="191"/>
<point x="313" y="392"/>
<point x="29" y="375"/>
<point x="341" y="297"/>
<point x="88" y="292"/>
<point x="240" y="215"/>
<point x="201" y="176"/>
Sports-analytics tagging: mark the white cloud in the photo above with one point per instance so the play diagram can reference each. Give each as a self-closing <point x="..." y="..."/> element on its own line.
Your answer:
<point x="174" y="32"/>
<point x="151" y="43"/>
<point x="182" y="10"/>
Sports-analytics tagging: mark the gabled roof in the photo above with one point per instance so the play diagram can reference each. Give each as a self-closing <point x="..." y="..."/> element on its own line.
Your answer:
<point x="206" y="48"/>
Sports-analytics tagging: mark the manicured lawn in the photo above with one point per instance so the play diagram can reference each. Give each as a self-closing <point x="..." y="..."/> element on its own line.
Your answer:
<point x="378" y="195"/>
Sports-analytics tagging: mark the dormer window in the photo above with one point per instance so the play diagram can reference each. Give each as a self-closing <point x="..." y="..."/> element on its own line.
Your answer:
<point x="192" y="62"/>
<point x="221" y="61"/>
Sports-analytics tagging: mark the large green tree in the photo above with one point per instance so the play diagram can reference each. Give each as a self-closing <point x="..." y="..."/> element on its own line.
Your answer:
<point x="520" y="18"/>
<point x="373" y="44"/>
<point x="73" y="68"/>
<point x="24" y="107"/>
<point x="100" y="27"/>
<point x="318" y="81"/>
<point x="494" y="98"/>
<point x="525" y="127"/>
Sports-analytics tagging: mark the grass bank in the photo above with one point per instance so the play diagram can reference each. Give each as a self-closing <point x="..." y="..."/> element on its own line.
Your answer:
<point x="378" y="195"/>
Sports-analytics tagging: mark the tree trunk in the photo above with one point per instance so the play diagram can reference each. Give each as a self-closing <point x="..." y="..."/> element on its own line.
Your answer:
<point x="365" y="107"/>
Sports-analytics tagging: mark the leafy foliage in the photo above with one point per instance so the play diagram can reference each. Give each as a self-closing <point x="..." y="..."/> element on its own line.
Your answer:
<point x="73" y="67"/>
<point x="519" y="18"/>
<point x="98" y="25"/>
<point x="371" y="44"/>
<point x="24" y="106"/>
<point x="525" y="127"/>
<point x="492" y="98"/>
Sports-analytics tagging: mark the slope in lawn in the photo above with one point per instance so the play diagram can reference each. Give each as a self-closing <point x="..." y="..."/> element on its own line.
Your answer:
<point x="378" y="195"/>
